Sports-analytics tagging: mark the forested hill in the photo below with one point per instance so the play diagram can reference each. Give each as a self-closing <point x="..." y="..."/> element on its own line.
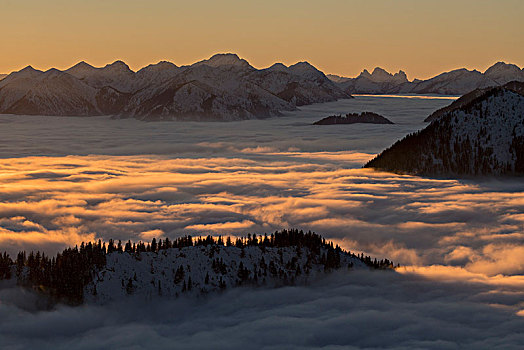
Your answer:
<point x="483" y="137"/>
<point x="515" y="86"/>
<point x="99" y="273"/>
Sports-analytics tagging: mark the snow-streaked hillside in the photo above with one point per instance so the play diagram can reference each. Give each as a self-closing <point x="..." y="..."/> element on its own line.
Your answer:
<point x="482" y="137"/>
<point x="98" y="273"/>
<point x="203" y="269"/>
<point x="455" y="82"/>
<point x="224" y="87"/>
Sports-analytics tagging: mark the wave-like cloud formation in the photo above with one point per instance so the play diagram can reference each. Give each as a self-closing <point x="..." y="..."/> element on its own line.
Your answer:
<point x="52" y="202"/>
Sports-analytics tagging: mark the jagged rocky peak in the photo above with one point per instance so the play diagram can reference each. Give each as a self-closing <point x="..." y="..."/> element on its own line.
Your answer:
<point x="380" y="75"/>
<point x="225" y="59"/>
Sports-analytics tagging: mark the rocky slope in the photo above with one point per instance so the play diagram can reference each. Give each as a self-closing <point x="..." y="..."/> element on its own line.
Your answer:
<point x="456" y="82"/>
<point x="223" y="87"/>
<point x="354" y="118"/>
<point x="483" y="136"/>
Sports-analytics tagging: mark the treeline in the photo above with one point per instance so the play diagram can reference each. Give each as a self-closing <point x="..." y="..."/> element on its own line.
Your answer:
<point x="65" y="275"/>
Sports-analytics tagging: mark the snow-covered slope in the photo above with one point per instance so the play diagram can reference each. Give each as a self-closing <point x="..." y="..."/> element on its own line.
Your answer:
<point x="204" y="269"/>
<point x="224" y="87"/>
<point x="456" y="82"/>
<point x="484" y="136"/>
<point x="53" y="92"/>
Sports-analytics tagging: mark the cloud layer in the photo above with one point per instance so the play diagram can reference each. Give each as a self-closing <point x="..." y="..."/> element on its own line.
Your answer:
<point x="64" y="180"/>
<point x="349" y="310"/>
<point x="412" y="220"/>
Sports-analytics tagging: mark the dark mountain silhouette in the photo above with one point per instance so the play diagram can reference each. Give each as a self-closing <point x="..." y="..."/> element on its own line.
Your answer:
<point x="354" y="118"/>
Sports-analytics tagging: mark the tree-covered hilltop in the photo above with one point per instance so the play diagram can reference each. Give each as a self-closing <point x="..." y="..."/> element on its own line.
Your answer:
<point x="103" y="271"/>
<point x="482" y="137"/>
<point x="354" y="118"/>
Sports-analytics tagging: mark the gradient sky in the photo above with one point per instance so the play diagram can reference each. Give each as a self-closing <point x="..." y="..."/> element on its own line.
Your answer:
<point x="422" y="37"/>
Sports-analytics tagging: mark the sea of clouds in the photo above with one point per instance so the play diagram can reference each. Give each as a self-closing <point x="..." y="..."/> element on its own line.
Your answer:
<point x="67" y="180"/>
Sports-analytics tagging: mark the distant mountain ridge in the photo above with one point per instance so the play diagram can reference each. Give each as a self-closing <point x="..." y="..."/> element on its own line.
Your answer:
<point x="455" y="82"/>
<point x="223" y="87"/>
<point x="482" y="133"/>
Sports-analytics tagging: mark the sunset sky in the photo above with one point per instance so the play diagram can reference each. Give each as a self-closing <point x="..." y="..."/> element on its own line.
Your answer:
<point x="343" y="37"/>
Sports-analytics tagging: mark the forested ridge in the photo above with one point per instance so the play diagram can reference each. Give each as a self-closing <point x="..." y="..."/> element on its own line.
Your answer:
<point x="482" y="137"/>
<point x="65" y="275"/>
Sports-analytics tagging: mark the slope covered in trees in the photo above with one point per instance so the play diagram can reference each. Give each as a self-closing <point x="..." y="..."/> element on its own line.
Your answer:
<point x="354" y="118"/>
<point x="482" y="137"/>
<point x="100" y="272"/>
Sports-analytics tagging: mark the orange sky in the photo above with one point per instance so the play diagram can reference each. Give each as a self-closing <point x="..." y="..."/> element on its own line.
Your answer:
<point x="343" y="37"/>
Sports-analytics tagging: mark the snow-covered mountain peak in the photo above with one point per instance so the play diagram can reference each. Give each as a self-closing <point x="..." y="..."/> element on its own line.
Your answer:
<point x="305" y="69"/>
<point x="502" y="72"/>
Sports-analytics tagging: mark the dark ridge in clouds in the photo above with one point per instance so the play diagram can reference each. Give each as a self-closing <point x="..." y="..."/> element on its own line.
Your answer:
<point x="349" y="310"/>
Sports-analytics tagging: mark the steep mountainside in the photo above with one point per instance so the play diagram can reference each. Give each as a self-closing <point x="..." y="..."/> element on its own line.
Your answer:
<point x="354" y="118"/>
<point x="2" y="76"/>
<point x="484" y="136"/>
<point x="223" y="87"/>
<point x="456" y="82"/>
<point x="515" y="86"/>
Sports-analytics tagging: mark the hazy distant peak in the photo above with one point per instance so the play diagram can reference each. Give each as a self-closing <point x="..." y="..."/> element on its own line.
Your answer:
<point x="303" y="65"/>
<point x="380" y="75"/>
<point x="278" y="67"/>
<point x="225" y="59"/>
<point x="160" y="66"/>
<point x="27" y="72"/>
<point x="27" y="69"/>
<point x="305" y="69"/>
<point x="52" y="71"/>
<point x="502" y="67"/>
<point x="118" y="66"/>
<point x="82" y="65"/>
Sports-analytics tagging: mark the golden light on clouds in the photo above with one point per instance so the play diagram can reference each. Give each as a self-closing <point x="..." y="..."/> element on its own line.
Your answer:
<point x="411" y="220"/>
<point x="423" y="38"/>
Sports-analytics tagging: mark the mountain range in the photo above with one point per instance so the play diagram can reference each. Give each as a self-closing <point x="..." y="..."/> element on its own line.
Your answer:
<point x="224" y="87"/>
<point x="482" y="133"/>
<point x="455" y="82"/>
